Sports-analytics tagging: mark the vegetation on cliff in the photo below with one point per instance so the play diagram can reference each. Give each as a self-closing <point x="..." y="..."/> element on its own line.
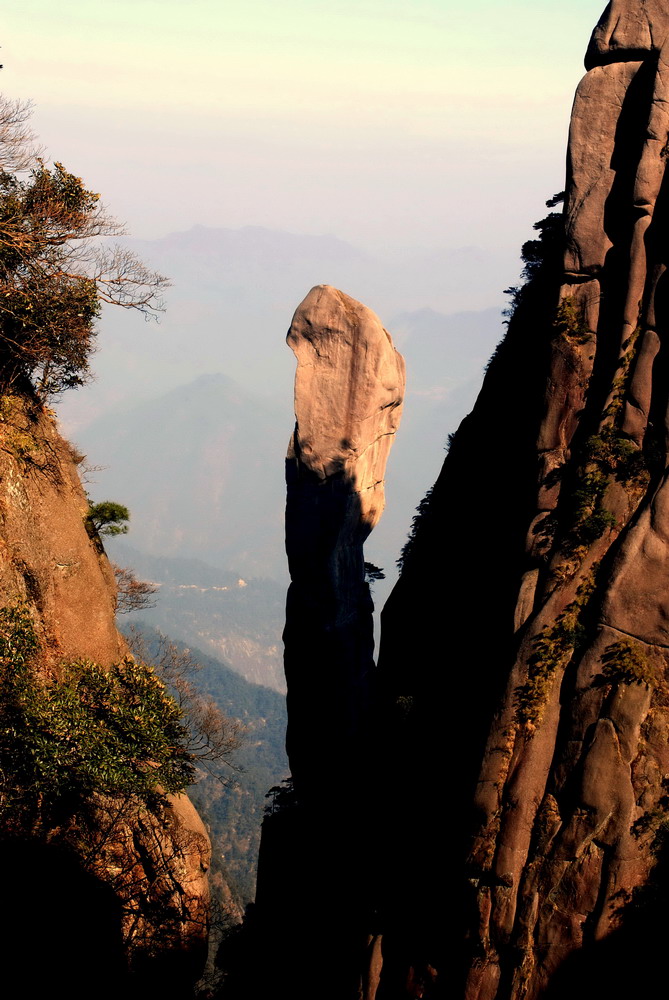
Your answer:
<point x="108" y="518"/>
<point x="533" y="304"/>
<point x="95" y="746"/>
<point x="55" y="270"/>
<point x="86" y="731"/>
<point x="534" y="595"/>
<point x="231" y="800"/>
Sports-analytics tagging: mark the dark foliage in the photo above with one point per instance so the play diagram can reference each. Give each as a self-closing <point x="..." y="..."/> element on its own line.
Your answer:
<point x="54" y="272"/>
<point x="109" y="517"/>
<point x="90" y="730"/>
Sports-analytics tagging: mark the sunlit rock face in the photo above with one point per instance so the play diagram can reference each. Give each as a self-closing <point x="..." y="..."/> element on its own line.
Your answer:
<point x="521" y="794"/>
<point x="140" y="874"/>
<point x="349" y="389"/>
<point x="46" y="556"/>
<point x="536" y="595"/>
<point x="628" y="28"/>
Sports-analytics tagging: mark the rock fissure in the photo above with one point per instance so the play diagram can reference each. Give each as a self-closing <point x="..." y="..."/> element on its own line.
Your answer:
<point x="633" y="635"/>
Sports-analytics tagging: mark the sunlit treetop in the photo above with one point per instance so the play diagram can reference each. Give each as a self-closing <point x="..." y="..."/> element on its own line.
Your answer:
<point x="56" y="264"/>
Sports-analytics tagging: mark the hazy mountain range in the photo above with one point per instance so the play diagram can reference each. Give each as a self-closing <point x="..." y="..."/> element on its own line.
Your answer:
<point x="232" y="298"/>
<point x="190" y="417"/>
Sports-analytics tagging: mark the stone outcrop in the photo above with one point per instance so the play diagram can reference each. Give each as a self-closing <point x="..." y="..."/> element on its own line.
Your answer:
<point x="141" y="873"/>
<point x="349" y="389"/>
<point x="156" y="861"/>
<point x="535" y="587"/>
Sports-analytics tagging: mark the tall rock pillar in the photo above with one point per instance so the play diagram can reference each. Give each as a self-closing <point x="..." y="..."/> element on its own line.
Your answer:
<point x="349" y="389"/>
<point x="314" y="927"/>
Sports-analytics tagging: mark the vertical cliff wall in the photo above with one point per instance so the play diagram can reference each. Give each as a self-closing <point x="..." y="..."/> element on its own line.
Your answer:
<point x="534" y="596"/>
<point x="127" y="881"/>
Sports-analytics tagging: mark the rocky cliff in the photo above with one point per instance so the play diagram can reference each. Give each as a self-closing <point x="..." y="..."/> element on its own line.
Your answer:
<point x="533" y="596"/>
<point x="125" y="880"/>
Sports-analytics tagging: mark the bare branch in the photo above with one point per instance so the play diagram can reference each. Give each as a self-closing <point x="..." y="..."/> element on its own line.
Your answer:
<point x="132" y="594"/>
<point x="213" y="736"/>
<point x="125" y="280"/>
<point x="54" y="271"/>
<point x="18" y="145"/>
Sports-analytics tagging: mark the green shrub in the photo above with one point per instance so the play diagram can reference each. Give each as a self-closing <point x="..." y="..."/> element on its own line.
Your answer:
<point x="18" y="641"/>
<point x="91" y="730"/>
<point x="108" y="517"/>
<point x="570" y="323"/>
<point x="616" y="455"/>
<point x="625" y="662"/>
<point x="553" y="648"/>
<point x="621" y="380"/>
<point x="590" y="518"/>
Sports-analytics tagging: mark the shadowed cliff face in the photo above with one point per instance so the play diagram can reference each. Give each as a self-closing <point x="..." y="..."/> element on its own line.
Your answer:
<point x="536" y="587"/>
<point x="139" y="874"/>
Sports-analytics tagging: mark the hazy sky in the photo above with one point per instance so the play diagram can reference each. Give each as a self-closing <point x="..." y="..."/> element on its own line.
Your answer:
<point x="385" y="122"/>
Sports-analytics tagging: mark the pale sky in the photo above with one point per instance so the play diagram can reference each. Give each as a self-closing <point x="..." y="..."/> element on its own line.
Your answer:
<point x="384" y="122"/>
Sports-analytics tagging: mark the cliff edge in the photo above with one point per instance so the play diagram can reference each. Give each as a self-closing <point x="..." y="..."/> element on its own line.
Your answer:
<point x="127" y="878"/>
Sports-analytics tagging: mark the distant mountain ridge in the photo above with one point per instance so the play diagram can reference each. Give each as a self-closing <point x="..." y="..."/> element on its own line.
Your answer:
<point x="231" y="794"/>
<point x="200" y="469"/>
<point x="201" y="466"/>
<point x="236" y="620"/>
<point x="232" y="298"/>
